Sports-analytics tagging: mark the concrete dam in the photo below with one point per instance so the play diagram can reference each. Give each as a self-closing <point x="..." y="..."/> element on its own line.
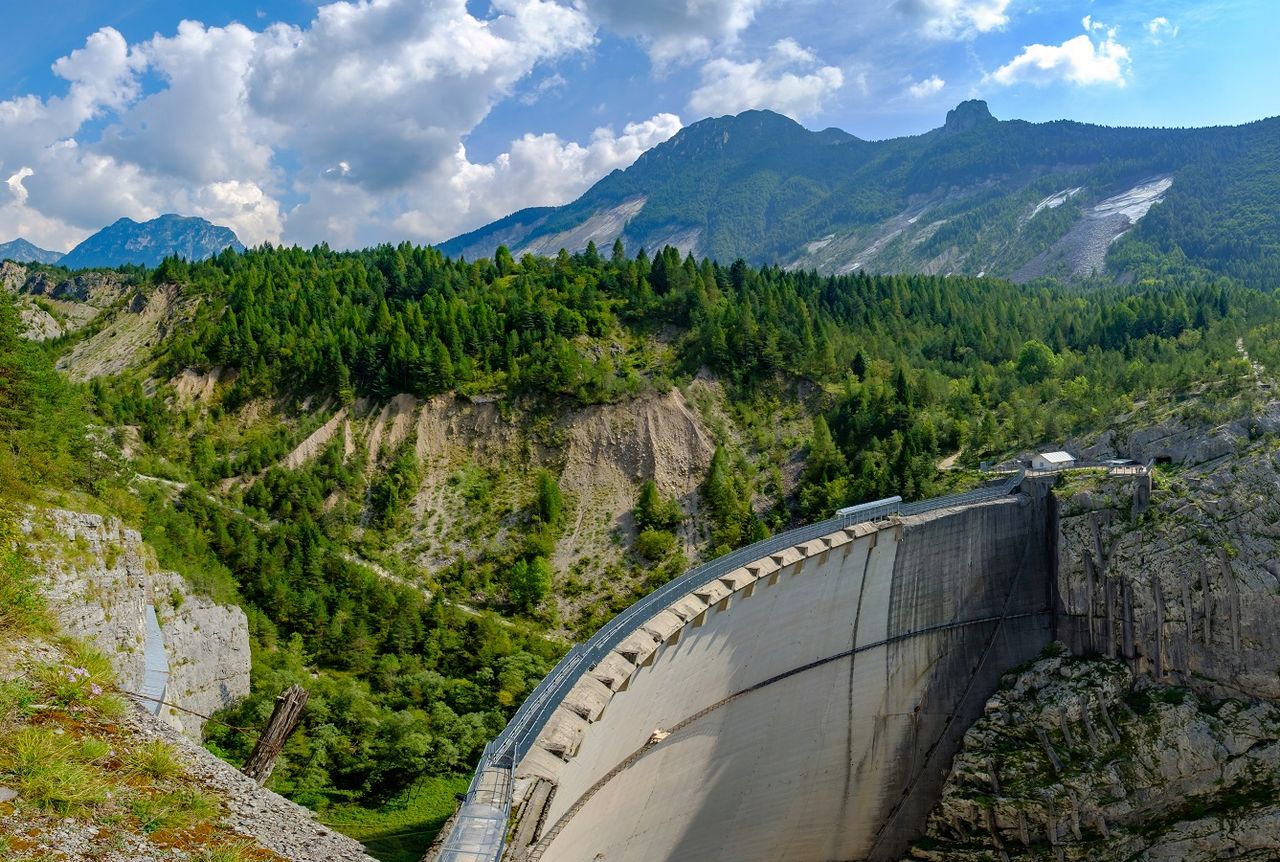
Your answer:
<point x="797" y="700"/>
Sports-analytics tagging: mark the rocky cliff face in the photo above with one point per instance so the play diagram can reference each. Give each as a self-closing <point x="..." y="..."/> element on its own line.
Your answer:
<point x="1188" y="592"/>
<point x="1072" y="761"/>
<point x="52" y="306"/>
<point x="1166" y="744"/>
<point x="101" y="578"/>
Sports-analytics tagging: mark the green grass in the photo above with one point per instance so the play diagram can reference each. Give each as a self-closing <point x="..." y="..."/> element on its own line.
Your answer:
<point x="176" y="809"/>
<point x="155" y="759"/>
<point x="62" y="750"/>
<point x="22" y="608"/>
<point x="55" y="771"/>
<point x="232" y="852"/>
<point x="401" y="829"/>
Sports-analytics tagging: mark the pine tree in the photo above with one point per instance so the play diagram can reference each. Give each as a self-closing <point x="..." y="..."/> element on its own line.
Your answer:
<point x="549" y="505"/>
<point x="653" y="512"/>
<point x="530" y="583"/>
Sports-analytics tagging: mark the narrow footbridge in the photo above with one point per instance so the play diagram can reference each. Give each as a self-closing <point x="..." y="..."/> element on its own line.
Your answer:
<point x="798" y="699"/>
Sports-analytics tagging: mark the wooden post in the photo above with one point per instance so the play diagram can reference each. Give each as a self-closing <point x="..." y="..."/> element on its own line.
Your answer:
<point x="284" y="718"/>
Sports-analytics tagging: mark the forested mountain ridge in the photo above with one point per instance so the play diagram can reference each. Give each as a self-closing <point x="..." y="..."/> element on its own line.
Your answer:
<point x="977" y="195"/>
<point x="420" y="476"/>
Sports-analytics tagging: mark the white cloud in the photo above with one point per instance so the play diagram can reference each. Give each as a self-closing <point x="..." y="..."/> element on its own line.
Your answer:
<point x="390" y="88"/>
<point x="954" y="19"/>
<point x="790" y="80"/>
<point x="552" y="83"/>
<point x="675" y="31"/>
<point x="1160" y="29"/>
<point x="925" y="88"/>
<point x="16" y="188"/>
<point x="366" y="106"/>
<point x="537" y="170"/>
<point x="1083" y="60"/>
<point x="197" y="128"/>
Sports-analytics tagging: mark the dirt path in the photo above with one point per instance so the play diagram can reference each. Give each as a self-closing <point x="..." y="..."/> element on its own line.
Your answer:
<point x="426" y="593"/>
<point x="1259" y="372"/>
<point x="949" y="462"/>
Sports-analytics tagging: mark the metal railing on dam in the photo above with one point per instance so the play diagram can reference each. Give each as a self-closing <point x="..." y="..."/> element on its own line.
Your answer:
<point x="479" y="830"/>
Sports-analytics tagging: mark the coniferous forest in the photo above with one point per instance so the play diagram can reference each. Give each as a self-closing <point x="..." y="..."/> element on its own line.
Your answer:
<point x="894" y="371"/>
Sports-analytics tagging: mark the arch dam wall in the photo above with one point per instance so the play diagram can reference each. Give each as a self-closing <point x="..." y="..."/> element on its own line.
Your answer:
<point x="804" y="706"/>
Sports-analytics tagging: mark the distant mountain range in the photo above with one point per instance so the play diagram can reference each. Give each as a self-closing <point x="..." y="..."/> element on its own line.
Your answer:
<point x="977" y="195"/>
<point x="150" y="242"/>
<point x="130" y="242"/>
<point x="24" y="252"/>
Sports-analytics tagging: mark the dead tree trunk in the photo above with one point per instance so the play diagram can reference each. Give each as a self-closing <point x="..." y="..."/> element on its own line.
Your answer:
<point x="284" y="718"/>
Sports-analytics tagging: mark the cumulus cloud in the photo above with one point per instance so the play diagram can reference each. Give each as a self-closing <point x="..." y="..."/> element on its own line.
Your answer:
<point x="353" y="119"/>
<point x="951" y="19"/>
<point x="16" y="189"/>
<point x="1094" y="57"/>
<point x="49" y="180"/>
<point x="675" y="31"/>
<point x="1161" y="29"/>
<point x="552" y="83"/>
<point x="925" y="88"/>
<point x="790" y="80"/>
<point x="537" y="170"/>
<point x="390" y="88"/>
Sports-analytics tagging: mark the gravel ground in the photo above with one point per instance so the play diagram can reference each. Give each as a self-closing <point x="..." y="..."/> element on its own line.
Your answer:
<point x="281" y="828"/>
<point x="273" y="821"/>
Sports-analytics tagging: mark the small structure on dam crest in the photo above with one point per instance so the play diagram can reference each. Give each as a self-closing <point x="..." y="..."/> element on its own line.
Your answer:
<point x="800" y="699"/>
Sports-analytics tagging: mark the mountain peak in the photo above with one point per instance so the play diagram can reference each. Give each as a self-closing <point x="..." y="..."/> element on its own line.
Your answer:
<point x="968" y="115"/>
<point x="150" y="242"/>
<point x="21" y="251"/>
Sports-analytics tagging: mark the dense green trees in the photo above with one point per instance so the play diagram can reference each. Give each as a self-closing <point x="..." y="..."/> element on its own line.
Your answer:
<point x="656" y="519"/>
<point x="549" y="504"/>
<point x="394" y="489"/>
<point x="402" y="318"/>
<point x="895" y="371"/>
<point x="913" y="367"/>
<point x="410" y="685"/>
<point x="42" y="419"/>
<point x="1036" y="362"/>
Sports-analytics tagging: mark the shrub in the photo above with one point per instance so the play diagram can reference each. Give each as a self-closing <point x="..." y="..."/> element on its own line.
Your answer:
<point x="655" y="545"/>
<point x="654" y="512"/>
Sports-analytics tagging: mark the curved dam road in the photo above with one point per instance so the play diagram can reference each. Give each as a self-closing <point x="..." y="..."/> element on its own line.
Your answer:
<point x="802" y="707"/>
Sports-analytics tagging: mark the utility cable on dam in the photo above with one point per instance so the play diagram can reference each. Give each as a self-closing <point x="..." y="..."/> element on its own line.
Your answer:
<point x="608" y="664"/>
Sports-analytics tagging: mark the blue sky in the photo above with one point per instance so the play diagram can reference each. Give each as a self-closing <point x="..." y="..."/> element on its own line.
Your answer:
<point x="375" y="120"/>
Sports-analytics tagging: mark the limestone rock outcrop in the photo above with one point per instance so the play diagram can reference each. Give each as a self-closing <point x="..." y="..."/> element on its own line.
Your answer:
<point x="1189" y="591"/>
<point x="1076" y="759"/>
<point x="1163" y="744"/>
<point x="100" y="578"/>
